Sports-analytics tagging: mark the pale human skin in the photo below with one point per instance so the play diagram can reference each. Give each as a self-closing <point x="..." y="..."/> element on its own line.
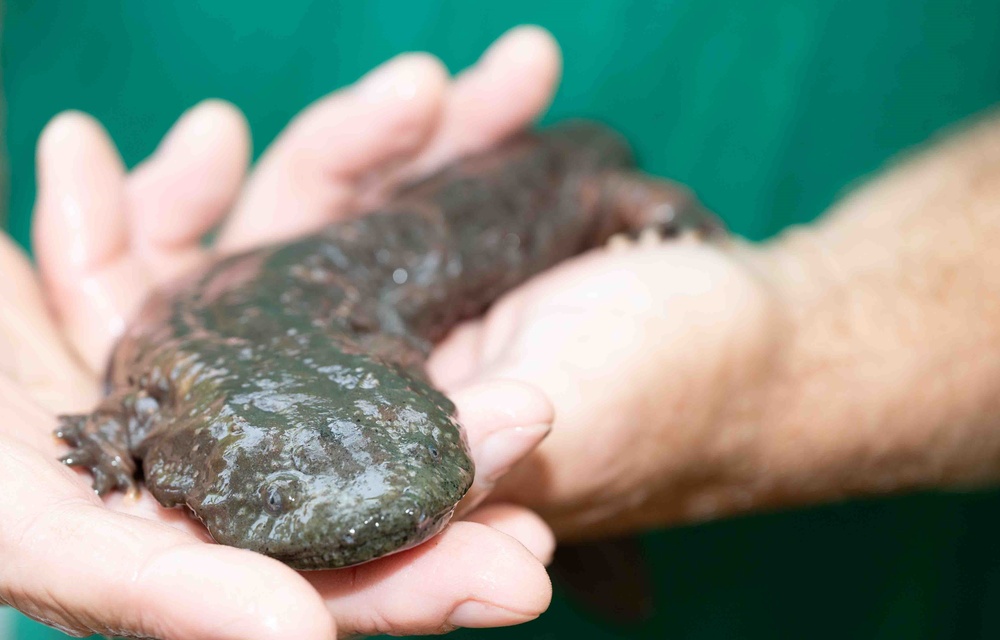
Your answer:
<point x="858" y="356"/>
<point x="104" y="237"/>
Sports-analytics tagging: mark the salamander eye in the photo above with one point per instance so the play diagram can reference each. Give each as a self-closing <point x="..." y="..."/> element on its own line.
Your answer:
<point x="274" y="502"/>
<point x="433" y="450"/>
<point x="279" y="496"/>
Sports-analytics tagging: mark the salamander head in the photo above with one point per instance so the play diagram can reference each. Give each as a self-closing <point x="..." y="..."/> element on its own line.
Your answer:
<point x="330" y="472"/>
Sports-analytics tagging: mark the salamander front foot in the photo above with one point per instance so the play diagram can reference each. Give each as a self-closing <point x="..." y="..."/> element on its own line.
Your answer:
<point x="645" y="210"/>
<point x="98" y="443"/>
<point x="651" y="237"/>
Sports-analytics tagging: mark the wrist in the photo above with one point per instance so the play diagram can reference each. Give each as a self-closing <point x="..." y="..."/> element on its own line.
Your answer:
<point x="723" y="366"/>
<point x="744" y="458"/>
<point x="876" y="389"/>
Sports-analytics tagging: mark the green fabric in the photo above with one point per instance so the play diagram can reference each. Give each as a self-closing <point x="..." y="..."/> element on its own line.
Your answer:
<point x="769" y="109"/>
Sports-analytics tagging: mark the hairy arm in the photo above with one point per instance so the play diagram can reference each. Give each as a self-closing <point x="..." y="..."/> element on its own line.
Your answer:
<point x="887" y="376"/>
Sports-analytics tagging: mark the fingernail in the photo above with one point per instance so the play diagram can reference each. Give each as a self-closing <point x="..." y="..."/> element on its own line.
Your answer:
<point x="394" y="80"/>
<point x="503" y="449"/>
<point x="473" y="615"/>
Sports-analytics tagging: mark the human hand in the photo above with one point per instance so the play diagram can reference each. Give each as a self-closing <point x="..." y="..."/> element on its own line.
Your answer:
<point x="103" y="238"/>
<point x="855" y="356"/>
<point x="656" y="359"/>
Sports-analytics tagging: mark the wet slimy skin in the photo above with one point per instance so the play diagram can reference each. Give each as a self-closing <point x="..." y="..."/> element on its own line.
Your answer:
<point x="280" y="394"/>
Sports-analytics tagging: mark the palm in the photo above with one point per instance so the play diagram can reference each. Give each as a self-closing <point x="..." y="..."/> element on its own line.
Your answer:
<point x="104" y="238"/>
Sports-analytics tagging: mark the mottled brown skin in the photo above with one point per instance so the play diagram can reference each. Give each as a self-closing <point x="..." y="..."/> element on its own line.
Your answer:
<point x="280" y="393"/>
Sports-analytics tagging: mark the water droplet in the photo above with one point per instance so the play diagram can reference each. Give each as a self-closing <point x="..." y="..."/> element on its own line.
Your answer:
<point x="399" y="276"/>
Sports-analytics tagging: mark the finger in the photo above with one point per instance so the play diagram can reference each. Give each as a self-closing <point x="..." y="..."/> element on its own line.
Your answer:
<point x="456" y="358"/>
<point x="187" y="186"/>
<point x="521" y="524"/>
<point x="32" y="352"/>
<point x="505" y="421"/>
<point x="69" y="561"/>
<point x="307" y="176"/>
<point x="79" y="224"/>
<point x="511" y="85"/>
<point x="469" y="576"/>
<point x="80" y="234"/>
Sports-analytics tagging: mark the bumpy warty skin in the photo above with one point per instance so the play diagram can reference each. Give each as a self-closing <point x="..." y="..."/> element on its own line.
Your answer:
<point x="280" y="429"/>
<point x="280" y="394"/>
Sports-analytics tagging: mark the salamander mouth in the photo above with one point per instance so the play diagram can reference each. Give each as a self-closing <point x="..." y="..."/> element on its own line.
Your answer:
<point x="327" y="527"/>
<point x="357" y="549"/>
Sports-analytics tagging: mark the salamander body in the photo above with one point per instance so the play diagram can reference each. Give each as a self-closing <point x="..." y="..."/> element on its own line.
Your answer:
<point x="280" y="393"/>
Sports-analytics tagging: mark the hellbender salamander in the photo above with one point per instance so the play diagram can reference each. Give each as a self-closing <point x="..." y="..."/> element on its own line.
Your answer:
<point x="280" y="393"/>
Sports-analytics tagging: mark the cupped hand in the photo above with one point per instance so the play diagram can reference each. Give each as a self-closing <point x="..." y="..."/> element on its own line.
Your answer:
<point x="104" y="237"/>
<point x="657" y="359"/>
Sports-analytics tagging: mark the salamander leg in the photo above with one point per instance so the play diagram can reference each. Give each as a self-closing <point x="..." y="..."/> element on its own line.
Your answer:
<point x="99" y="442"/>
<point x="635" y="206"/>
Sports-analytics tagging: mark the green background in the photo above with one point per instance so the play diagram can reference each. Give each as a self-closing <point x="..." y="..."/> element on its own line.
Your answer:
<point x="769" y="109"/>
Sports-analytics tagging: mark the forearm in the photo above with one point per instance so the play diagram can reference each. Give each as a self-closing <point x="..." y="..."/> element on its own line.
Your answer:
<point x="888" y="372"/>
